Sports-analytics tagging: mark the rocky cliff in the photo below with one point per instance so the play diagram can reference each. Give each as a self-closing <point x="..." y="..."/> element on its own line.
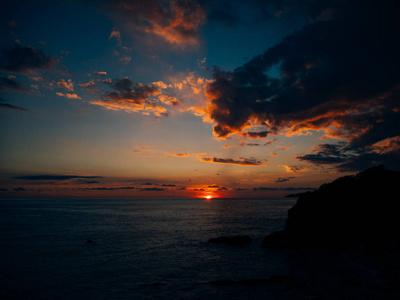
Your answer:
<point x="350" y="212"/>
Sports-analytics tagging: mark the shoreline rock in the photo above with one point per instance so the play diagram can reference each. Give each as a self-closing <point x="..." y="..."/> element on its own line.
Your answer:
<point x="351" y="212"/>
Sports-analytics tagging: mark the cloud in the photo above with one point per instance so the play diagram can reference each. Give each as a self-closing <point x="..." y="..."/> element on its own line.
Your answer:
<point x="109" y="188"/>
<point x="255" y="134"/>
<point x="68" y="95"/>
<point x="269" y="142"/>
<point x="241" y="189"/>
<point x="340" y="73"/>
<point x="225" y="14"/>
<point x="345" y="157"/>
<point x="4" y="105"/>
<point x="125" y="59"/>
<point x="24" y="60"/>
<point x="387" y="145"/>
<point x="294" y="169"/>
<point x="283" y="147"/>
<point x="154" y="189"/>
<point x="100" y="73"/>
<point x="177" y="22"/>
<point x="288" y="189"/>
<point x="283" y="179"/>
<point x="68" y="85"/>
<point x="132" y="97"/>
<point x="54" y="177"/>
<point x="9" y="84"/>
<point x="116" y="35"/>
<point x="249" y="144"/>
<point x="91" y="86"/>
<point x="241" y="161"/>
<point x="178" y="154"/>
<point x="326" y="154"/>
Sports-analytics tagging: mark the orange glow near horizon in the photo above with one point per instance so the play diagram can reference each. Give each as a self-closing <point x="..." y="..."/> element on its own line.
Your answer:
<point x="208" y="197"/>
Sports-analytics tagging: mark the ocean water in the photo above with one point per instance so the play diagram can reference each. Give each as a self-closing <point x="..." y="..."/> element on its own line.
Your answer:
<point x="140" y="249"/>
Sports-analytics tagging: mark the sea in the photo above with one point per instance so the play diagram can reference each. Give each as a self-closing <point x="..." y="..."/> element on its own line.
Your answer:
<point x="138" y="248"/>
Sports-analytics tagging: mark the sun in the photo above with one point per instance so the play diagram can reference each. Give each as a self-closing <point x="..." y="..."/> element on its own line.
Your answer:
<point x="208" y="197"/>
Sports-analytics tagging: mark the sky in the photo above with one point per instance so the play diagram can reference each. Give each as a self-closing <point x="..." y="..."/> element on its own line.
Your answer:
<point x="186" y="98"/>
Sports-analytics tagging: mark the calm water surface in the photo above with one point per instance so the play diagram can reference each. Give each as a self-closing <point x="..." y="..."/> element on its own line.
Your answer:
<point x="141" y="249"/>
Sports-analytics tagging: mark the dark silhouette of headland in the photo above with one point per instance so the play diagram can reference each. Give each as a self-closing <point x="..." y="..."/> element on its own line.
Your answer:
<point x="359" y="211"/>
<point x="343" y="240"/>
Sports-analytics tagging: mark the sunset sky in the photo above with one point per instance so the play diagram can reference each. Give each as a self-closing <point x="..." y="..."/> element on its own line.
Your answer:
<point x="155" y="98"/>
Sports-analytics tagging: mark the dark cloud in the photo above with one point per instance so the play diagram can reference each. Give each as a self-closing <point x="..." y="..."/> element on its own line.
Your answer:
<point x="54" y="177"/>
<point x="283" y="179"/>
<point x="269" y="142"/>
<point x="88" y="181"/>
<point x="249" y="144"/>
<point x="133" y="97"/>
<point x="346" y="157"/>
<point x="168" y="185"/>
<point x="287" y="189"/>
<point x="240" y="161"/>
<point x="155" y="189"/>
<point x="255" y="134"/>
<point x="224" y="14"/>
<point x="24" y="60"/>
<point x="327" y="154"/>
<point x="3" y="190"/>
<point x="8" y="84"/>
<point x="109" y="188"/>
<point x="127" y="90"/>
<point x="177" y="22"/>
<point x="4" y="105"/>
<point x="340" y="73"/>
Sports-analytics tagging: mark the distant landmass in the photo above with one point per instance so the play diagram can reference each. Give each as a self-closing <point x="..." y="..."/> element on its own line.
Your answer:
<point x="350" y="212"/>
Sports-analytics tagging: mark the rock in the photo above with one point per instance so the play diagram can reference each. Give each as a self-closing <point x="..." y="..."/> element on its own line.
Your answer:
<point x="346" y="213"/>
<point x="231" y="240"/>
<point x="277" y="239"/>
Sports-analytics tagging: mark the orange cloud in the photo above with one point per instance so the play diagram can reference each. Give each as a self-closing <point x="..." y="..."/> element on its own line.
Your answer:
<point x="125" y="59"/>
<point x="101" y="73"/>
<point x="387" y="145"/>
<point x="294" y="169"/>
<point x="68" y="95"/>
<point x="177" y="23"/>
<point x="115" y="35"/>
<point x="178" y="154"/>
<point x="66" y="85"/>
<point x="283" y="147"/>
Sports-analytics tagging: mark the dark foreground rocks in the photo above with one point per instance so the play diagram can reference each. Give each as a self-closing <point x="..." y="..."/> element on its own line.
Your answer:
<point x="352" y="212"/>
<point x="231" y="240"/>
<point x="343" y="240"/>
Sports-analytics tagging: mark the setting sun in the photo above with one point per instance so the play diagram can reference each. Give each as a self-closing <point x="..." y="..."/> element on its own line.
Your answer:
<point x="208" y="197"/>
